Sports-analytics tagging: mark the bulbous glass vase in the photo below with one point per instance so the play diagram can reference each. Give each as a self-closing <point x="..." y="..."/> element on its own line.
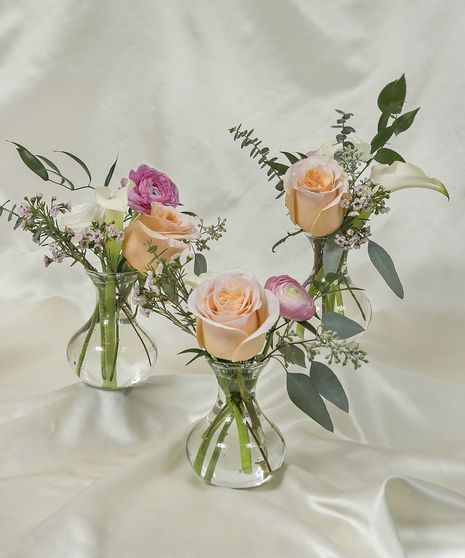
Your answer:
<point x="111" y="350"/>
<point x="235" y="445"/>
<point x="343" y="297"/>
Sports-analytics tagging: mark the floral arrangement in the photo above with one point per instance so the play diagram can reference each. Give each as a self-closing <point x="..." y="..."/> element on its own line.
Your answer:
<point x="332" y="201"/>
<point x="115" y="237"/>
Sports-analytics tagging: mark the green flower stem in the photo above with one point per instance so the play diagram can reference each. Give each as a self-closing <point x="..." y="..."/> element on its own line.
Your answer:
<point x="109" y="330"/>
<point x="207" y="438"/>
<point x="91" y="326"/>
<point x="217" y="451"/>
<point x="244" y="440"/>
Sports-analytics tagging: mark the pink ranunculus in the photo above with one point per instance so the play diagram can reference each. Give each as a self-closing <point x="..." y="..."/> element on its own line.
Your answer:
<point x="234" y="313"/>
<point x="150" y="186"/>
<point x="294" y="301"/>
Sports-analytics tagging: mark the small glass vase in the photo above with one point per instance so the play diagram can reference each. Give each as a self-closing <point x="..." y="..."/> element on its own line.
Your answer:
<point x="345" y="297"/>
<point x="111" y="350"/>
<point x="235" y="445"/>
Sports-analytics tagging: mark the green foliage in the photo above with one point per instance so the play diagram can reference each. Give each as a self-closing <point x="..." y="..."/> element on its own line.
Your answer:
<point x="200" y="264"/>
<point x="341" y="325"/>
<point x="387" y="156"/>
<point x="293" y="354"/>
<point x="282" y="240"/>
<point x="31" y="161"/>
<point x="404" y="122"/>
<point x="385" y="266"/>
<point x="327" y="384"/>
<point x="110" y="173"/>
<point x="332" y="254"/>
<point x="304" y="395"/>
<point x="392" y="96"/>
<point x="80" y="163"/>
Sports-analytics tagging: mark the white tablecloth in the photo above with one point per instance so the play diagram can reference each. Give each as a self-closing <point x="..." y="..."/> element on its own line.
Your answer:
<point x="90" y="474"/>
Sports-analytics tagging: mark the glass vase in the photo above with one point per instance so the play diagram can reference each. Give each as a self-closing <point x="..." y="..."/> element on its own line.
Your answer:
<point x="111" y="350"/>
<point x="236" y="445"/>
<point x="343" y="297"/>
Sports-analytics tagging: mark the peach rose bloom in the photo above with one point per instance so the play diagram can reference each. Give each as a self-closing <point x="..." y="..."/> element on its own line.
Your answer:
<point x="165" y="227"/>
<point x="314" y="188"/>
<point x="234" y="313"/>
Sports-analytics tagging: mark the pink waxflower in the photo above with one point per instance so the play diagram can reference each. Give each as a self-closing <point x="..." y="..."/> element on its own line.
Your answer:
<point x="294" y="301"/>
<point x="148" y="186"/>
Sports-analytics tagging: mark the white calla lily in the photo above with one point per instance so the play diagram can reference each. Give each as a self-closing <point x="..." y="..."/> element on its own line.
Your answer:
<point x="399" y="175"/>
<point x="113" y="200"/>
<point x="195" y="280"/>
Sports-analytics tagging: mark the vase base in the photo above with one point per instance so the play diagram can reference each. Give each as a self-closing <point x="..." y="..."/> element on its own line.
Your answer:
<point x="248" y="481"/>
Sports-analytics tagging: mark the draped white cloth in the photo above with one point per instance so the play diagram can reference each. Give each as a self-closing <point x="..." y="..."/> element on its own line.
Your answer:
<point x="91" y="474"/>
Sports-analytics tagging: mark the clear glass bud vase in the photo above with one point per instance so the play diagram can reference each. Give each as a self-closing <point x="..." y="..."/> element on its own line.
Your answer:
<point x="343" y="296"/>
<point x="111" y="350"/>
<point x="235" y="445"/>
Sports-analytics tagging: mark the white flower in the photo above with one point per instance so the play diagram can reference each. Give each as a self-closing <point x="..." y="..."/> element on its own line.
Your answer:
<point x="195" y="280"/>
<point x="81" y="216"/>
<point x="401" y="175"/>
<point x="112" y="200"/>
<point x="363" y="147"/>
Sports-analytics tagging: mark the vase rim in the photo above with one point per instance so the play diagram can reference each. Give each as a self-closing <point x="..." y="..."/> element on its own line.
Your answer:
<point x="103" y="274"/>
<point x="229" y="365"/>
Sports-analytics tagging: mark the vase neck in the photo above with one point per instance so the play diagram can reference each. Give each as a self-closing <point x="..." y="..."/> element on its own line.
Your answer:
<point x="113" y="287"/>
<point x="237" y="378"/>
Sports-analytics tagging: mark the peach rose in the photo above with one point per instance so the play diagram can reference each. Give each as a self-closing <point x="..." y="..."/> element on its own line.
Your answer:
<point x="165" y="228"/>
<point x="234" y="313"/>
<point x="314" y="188"/>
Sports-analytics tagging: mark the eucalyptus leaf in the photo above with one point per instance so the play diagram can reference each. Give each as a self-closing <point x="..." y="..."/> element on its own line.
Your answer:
<point x="332" y="254"/>
<point x="392" y="96"/>
<point x="290" y="157"/>
<point x="385" y="266"/>
<point x="278" y="167"/>
<point x="327" y="384"/>
<point x="405" y="121"/>
<point x="31" y="161"/>
<point x="307" y="399"/>
<point x="110" y="173"/>
<point x="200" y="264"/>
<point x="342" y="326"/>
<point x="387" y="156"/>
<point x="293" y="354"/>
<point x="79" y="162"/>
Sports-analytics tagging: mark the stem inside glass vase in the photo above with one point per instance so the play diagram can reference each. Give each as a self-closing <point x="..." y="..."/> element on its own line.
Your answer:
<point x="231" y="446"/>
<point x="102" y="336"/>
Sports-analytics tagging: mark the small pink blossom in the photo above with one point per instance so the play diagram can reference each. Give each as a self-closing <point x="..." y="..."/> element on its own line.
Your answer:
<point x="294" y="301"/>
<point x="150" y="185"/>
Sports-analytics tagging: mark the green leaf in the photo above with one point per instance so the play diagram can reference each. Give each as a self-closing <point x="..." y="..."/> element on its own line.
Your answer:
<point x="307" y="399"/>
<point x="385" y="266"/>
<point x="342" y="326"/>
<point x="200" y="264"/>
<point x="383" y="121"/>
<point x="405" y="121"/>
<point x="31" y="161"/>
<point x="79" y="162"/>
<point x="387" y="156"/>
<point x="290" y="157"/>
<point x="191" y="213"/>
<point x="193" y="350"/>
<point x="332" y="254"/>
<point x="392" y="97"/>
<point x="278" y="167"/>
<point x="19" y="220"/>
<point x="110" y="173"/>
<point x="308" y="326"/>
<point x="381" y="138"/>
<point x="12" y="210"/>
<point x="293" y="354"/>
<point x="327" y="384"/>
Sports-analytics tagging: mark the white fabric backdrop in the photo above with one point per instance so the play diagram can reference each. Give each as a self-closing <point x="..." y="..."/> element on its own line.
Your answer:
<point x="87" y="474"/>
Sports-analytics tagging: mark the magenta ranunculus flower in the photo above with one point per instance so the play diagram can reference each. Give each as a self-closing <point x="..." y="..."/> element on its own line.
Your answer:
<point x="150" y="185"/>
<point x="294" y="301"/>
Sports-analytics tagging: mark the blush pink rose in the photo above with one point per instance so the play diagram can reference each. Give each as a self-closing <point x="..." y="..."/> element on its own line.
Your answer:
<point x="294" y="301"/>
<point x="234" y="313"/>
<point x="150" y="185"/>
<point x="165" y="227"/>
<point x="314" y="189"/>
